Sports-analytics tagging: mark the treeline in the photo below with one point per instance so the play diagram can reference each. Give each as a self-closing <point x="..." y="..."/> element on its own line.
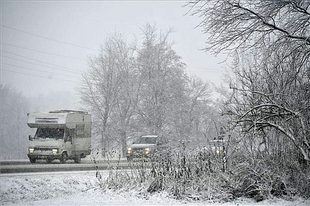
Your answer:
<point x="135" y="89"/>
<point x="265" y="113"/>
<point x="267" y="108"/>
<point x="13" y="124"/>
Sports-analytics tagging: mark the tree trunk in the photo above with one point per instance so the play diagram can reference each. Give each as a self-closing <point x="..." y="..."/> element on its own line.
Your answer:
<point x="124" y="143"/>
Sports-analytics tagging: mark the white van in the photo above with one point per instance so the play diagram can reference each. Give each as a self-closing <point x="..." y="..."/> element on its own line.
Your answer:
<point x="63" y="134"/>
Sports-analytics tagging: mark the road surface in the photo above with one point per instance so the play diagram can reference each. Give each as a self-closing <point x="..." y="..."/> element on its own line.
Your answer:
<point x="85" y="165"/>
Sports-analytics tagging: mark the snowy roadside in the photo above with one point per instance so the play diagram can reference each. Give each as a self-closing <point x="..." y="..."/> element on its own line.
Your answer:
<point x="82" y="188"/>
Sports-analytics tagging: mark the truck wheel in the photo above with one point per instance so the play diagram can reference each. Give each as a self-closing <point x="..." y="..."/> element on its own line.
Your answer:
<point x="77" y="159"/>
<point x="63" y="158"/>
<point x="32" y="160"/>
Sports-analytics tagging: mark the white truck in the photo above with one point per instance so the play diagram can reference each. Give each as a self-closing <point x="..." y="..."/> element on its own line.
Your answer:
<point x="62" y="134"/>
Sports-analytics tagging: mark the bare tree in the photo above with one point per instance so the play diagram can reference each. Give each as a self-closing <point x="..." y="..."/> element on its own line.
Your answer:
<point x="193" y="110"/>
<point x="103" y="87"/>
<point x="281" y="26"/>
<point x="270" y="40"/>
<point x="162" y="81"/>
<point x="146" y="90"/>
<point x="127" y="98"/>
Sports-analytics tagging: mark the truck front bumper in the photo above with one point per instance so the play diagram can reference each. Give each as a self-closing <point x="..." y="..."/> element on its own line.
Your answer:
<point x="44" y="156"/>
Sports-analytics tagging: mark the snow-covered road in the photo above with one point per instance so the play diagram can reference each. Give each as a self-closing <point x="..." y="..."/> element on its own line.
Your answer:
<point x="42" y="166"/>
<point x="82" y="188"/>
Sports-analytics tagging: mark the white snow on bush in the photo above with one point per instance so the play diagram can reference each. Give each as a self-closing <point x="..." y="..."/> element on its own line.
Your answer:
<point x="82" y="188"/>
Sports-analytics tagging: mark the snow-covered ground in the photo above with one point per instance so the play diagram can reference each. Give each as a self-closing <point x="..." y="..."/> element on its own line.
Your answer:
<point x="82" y="188"/>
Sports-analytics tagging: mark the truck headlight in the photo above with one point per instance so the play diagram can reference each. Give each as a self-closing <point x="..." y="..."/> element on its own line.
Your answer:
<point x="147" y="150"/>
<point x="31" y="149"/>
<point x="128" y="150"/>
<point x="54" y="151"/>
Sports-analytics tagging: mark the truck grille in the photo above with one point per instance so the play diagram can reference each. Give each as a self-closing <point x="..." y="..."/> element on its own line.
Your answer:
<point x="38" y="149"/>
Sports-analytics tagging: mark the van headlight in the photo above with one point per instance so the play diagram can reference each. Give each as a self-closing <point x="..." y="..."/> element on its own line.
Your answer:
<point x="55" y="151"/>
<point x="147" y="151"/>
<point x="31" y="149"/>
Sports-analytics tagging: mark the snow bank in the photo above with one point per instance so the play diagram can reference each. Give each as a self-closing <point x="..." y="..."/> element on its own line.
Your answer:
<point x="20" y="189"/>
<point x="82" y="188"/>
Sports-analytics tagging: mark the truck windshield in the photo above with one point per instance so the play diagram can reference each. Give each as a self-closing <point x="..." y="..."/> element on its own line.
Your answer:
<point x="51" y="133"/>
<point x="146" y="140"/>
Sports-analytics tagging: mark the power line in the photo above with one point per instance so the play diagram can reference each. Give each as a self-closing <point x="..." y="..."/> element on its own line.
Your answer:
<point x="38" y="70"/>
<point x="37" y="76"/>
<point x="73" y="70"/>
<point x="40" y="51"/>
<point x="53" y="67"/>
<point x="51" y="39"/>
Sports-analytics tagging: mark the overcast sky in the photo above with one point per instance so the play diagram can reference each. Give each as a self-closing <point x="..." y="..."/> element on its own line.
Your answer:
<point x="45" y="45"/>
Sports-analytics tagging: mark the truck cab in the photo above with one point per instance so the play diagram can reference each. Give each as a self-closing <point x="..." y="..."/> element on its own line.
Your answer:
<point x="62" y="135"/>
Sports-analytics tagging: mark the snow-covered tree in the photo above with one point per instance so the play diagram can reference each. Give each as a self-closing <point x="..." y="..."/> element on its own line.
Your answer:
<point x="107" y="90"/>
<point x="13" y="126"/>
<point x="271" y="43"/>
<point x="162" y="81"/>
<point x="132" y="90"/>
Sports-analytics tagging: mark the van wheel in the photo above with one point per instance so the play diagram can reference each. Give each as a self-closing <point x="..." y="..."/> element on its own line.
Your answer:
<point x="32" y="160"/>
<point x="63" y="158"/>
<point x="77" y="159"/>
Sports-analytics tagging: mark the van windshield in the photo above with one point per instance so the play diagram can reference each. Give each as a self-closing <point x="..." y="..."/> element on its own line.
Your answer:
<point x="146" y="140"/>
<point x="51" y="133"/>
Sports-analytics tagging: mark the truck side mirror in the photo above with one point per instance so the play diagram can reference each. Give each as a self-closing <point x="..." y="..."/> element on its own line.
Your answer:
<point x="30" y="137"/>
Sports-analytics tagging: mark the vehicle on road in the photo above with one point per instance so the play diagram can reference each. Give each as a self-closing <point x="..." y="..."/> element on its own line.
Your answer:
<point x="62" y="135"/>
<point x="146" y="146"/>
